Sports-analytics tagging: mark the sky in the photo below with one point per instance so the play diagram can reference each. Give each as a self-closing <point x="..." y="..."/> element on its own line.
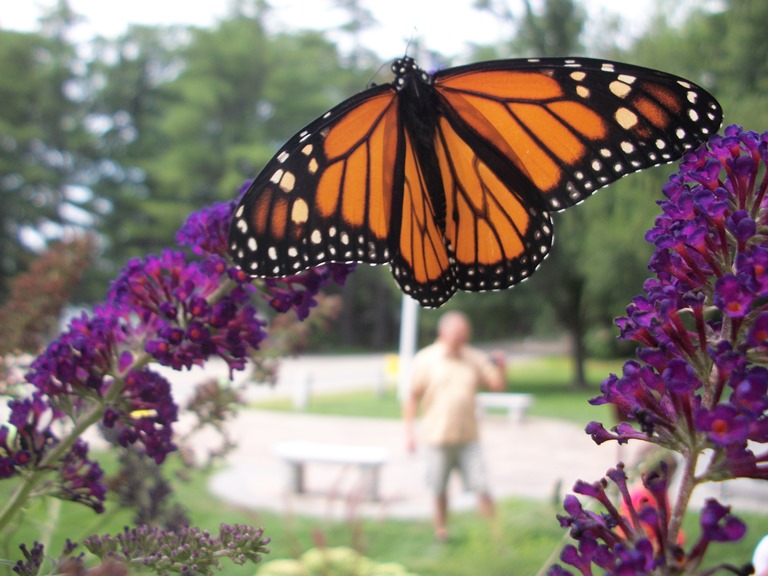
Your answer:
<point x="446" y="27"/>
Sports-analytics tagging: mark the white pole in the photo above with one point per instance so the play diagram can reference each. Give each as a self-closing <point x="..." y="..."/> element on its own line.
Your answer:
<point x="409" y="314"/>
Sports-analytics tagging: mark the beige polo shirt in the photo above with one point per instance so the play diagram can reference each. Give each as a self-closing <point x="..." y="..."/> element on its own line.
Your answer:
<point x="446" y="387"/>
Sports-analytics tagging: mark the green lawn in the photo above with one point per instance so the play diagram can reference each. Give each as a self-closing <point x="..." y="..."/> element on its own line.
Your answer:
<point x="548" y="379"/>
<point x="520" y="540"/>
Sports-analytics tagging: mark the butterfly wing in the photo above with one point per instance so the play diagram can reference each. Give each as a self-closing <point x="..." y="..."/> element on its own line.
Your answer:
<point x="326" y="196"/>
<point x="572" y="126"/>
<point x="421" y="259"/>
<point x="496" y="228"/>
<point x="463" y="204"/>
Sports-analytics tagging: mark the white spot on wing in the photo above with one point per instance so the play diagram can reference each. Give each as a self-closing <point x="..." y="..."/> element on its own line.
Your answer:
<point x="287" y="182"/>
<point x="620" y="89"/>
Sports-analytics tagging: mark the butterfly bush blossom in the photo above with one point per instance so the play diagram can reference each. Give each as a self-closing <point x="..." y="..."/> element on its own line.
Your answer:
<point x="175" y="309"/>
<point x="699" y="382"/>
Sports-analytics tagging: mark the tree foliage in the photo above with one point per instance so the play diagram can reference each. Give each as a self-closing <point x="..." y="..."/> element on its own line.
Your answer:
<point x="37" y="297"/>
<point x="44" y="146"/>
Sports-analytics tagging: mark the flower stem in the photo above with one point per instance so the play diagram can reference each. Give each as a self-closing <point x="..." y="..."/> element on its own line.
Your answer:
<point x="687" y="485"/>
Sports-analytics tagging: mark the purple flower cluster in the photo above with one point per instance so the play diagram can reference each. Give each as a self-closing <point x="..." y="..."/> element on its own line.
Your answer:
<point x="206" y="230"/>
<point x="189" y="550"/>
<point x="146" y="414"/>
<point x="78" y="363"/>
<point x="177" y="309"/>
<point x="701" y="322"/>
<point x="184" y="314"/>
<point x="31" y="419"/>
<point x="633" y="539"/>
<point x="298" y="292"/>
<point x="702" y="328"/>
<point x="79" y="479"/>
<point x="33" y="560"/>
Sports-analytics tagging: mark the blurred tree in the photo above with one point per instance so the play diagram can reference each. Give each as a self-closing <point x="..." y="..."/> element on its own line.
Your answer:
<point x="555" y="31"/>
<point x="722" y="46"/>
<point x="30" y="316"/>
<point x="128" y="93"/>
<point x="185" y="116"/>
<point x="45" y="151"/>
<point x="359" y="19"/>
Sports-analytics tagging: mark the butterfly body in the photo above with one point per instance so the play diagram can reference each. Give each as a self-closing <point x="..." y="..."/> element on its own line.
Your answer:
<point x="450" y="178"/>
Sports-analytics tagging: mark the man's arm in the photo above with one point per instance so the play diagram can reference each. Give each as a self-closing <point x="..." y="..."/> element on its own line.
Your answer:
<point x="495" y="375"/>
<point x="410" y="407"/>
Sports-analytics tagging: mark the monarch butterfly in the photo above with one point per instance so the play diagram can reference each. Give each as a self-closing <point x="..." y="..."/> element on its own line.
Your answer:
<point x="450" y="178"/>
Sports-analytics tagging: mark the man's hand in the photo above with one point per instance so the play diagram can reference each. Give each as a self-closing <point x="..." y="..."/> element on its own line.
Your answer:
<point x="499" y="358"/>
<point x="497" y="383"/>
<point x="410" y="442"/>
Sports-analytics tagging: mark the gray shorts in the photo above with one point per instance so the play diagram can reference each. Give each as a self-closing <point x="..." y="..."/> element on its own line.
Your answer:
<point x="466" y="458"/>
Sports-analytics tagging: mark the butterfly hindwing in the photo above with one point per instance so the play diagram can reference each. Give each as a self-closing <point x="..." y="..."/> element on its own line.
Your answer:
<point x="421" y="262"/>
<point x="326" y="196"/>
<point x="575" y="125"/>
<point x="497" y="229"/>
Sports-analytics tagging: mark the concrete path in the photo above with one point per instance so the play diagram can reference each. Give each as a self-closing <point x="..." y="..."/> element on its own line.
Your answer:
<point x="537" y="458"/>
<point x="532" y="459"/>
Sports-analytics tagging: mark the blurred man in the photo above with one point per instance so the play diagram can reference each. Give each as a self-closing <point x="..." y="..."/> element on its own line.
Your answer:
<point x="446" y="376"/>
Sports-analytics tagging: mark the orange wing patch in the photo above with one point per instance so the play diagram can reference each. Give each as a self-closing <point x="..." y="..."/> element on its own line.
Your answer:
<point x="505" y="85"/>
<point x="327" y="195"/>
<point x="537" y="135"/>
<point x="486" y="222"/>
<point x="357" y="150"/>
<point x="421" y="242"/>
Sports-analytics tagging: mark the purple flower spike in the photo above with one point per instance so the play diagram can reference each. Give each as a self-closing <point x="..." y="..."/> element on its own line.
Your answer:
<point x="176" y="309"/>
<point x="700" y="381"/>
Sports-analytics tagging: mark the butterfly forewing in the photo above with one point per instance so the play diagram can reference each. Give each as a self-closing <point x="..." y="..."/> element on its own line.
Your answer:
<point x="326" y="196"/>
<point x="575" y="125"/>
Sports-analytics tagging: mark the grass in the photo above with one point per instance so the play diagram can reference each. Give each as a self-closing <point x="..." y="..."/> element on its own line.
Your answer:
<point x="519" y="541"/>
<point x="547" y="378"/>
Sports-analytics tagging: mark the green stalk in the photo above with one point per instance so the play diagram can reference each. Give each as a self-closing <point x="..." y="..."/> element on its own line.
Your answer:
<point x="687" y="485"/>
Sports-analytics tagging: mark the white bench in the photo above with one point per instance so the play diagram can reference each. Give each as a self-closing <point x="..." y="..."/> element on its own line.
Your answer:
<point x="515" y="404"/>
<point x="368" y="459"/>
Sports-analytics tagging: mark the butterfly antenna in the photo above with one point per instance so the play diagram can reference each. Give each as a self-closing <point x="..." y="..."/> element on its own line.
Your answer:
<point x="371" y="83"/>
<point x="410" y="40"/>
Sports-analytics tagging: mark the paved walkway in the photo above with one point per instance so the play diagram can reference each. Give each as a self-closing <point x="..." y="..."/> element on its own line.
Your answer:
<point x="530" y="459"/>
<point x="537" y="458"/>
